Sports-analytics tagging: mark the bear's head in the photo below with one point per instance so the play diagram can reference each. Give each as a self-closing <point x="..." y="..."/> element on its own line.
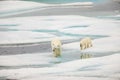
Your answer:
<point x="56" y="46"/>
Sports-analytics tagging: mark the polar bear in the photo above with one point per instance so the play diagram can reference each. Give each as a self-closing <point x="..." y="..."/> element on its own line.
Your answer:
<point x="56" y="47"/>
<point x="85" y="43"/>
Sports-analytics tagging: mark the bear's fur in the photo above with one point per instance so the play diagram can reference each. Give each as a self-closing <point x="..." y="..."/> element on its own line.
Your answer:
<point x="56" y="47"/>
<point x="85" y="43"/>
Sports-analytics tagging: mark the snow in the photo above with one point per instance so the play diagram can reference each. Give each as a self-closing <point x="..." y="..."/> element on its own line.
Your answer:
<point x="43" y="77"/>
<point x="17" y="5"/>
<point x="98" y="66"/>
<point x="12" y="37"/>
<point x="26" y="59"/>
<point x="36" y="27"/>
<point x="107" y="44"/>
<point x="43" y="22"/>
<point x="78" y="4"/>
<point x="43" y="28"/>
<point x="6" y="6"/>
<point x="101" y="27"/>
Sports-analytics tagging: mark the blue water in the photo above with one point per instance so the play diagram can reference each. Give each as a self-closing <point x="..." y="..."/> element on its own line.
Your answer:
<point x="67" y="1"/>
<point x="109" y="17"/>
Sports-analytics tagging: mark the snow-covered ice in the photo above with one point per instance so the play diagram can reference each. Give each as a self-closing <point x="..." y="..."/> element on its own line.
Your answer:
<point x="105" y="34"/>
<point x="108" y="44"/>
<point x="6" y="5"/>
<point x="62" y="26"/>
<point x="19" y="7"/>
<point x="98" y="66"/>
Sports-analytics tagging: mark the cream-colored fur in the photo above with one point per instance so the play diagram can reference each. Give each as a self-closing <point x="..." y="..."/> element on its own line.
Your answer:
<point x="85" y="43"/>
<point x="56" y="47"/>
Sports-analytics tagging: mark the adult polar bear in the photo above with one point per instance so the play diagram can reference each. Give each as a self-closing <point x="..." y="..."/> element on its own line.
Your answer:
<point x="56" y="47"/>
<point x="85" y="43"/>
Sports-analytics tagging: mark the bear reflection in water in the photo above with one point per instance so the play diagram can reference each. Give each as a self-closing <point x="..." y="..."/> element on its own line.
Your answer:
<point x="85" y="55"/>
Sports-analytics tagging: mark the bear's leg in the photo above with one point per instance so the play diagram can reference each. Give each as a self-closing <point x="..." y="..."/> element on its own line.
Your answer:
<point x="57" y="52"/>
<point x="54" y="52"/>
<point x="91" y="45"/>
<point x="86" y="45"/>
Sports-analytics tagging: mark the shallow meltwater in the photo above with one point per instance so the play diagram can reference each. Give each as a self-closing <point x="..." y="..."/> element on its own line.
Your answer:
<point x="37" y="60"/>
<point x="43" y="60"/>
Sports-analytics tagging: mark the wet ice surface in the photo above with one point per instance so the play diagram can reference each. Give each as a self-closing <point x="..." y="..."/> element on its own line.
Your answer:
<point x="42" y="65"/>
<point x="26" y="53"/>
<point x="22" y="67"/>
<point x="45" y="28"/>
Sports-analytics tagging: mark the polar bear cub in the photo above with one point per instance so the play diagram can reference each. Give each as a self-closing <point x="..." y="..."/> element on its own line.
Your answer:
<point x="85" y="43"/>
<point x="56" y="47"/>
